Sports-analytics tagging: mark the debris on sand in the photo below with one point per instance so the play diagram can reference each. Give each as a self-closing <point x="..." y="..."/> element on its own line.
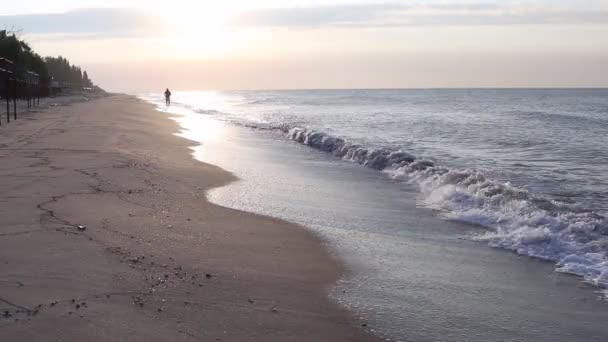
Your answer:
<point x="134" y="260"/>
<point x="137" y="300"/>
<point x="81" y="227"/>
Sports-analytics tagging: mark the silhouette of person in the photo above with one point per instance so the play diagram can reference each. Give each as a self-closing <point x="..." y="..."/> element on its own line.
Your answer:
<point x="168" y="96"/>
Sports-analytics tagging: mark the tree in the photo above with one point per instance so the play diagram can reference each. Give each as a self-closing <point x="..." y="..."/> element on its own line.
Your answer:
<point x="86" y="80"/>
<point x="25" y="59"/>
<point x="62" y="71"/>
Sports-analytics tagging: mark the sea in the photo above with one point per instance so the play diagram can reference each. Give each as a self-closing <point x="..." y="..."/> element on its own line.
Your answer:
<point x="462" y="214"/>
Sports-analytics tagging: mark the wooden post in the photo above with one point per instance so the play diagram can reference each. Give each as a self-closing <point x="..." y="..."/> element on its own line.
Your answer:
<point x="8" y="98"/>
<point x="15" y="98"/>
<point x="9" y="92"/>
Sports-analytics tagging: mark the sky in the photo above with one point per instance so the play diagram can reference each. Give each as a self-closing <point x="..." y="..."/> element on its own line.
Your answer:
<point x="133" y="45"/>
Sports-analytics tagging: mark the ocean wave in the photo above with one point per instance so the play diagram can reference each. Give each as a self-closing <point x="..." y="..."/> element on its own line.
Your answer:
<point x="517" y="220"/>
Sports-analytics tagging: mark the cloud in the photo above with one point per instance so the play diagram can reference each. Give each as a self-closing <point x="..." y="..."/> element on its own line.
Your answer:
<point x="90" y="23"/>
<point x="429" y="14"/>
<point x="314" y="16"/>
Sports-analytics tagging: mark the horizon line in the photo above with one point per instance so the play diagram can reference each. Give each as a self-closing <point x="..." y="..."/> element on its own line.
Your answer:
<point x="399" y="88"/>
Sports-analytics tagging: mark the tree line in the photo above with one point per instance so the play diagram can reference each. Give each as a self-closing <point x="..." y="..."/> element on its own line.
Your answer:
<point x="48" y="69"/>
<point x="60" y="69"/>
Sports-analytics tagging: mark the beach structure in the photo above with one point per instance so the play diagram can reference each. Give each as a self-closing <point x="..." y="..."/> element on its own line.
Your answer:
<point x="6" y="77"/>
<point x="19" y="84"/>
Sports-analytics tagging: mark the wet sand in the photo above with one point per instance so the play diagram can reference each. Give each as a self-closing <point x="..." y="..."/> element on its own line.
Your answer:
<point x="153" y="260"/>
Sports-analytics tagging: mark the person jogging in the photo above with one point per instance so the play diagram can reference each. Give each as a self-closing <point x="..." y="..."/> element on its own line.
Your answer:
<point x="167" y="97"/>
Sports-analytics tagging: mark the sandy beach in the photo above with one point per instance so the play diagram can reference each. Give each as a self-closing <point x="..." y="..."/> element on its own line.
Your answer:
<point x="107" y="236"/>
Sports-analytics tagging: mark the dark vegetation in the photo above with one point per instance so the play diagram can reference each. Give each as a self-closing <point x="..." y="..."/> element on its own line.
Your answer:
<point x="62" y="71"/>
<point x="49" y="69"/>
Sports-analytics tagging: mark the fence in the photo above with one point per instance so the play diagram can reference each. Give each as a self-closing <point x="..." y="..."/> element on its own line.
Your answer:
<point x="23" y="87"/>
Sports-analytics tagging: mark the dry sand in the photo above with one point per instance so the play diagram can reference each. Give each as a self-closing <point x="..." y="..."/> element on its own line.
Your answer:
<point x="156" y="262"/>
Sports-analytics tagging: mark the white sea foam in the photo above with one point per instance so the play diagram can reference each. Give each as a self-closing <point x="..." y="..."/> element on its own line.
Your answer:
<point x="516" y="219"/>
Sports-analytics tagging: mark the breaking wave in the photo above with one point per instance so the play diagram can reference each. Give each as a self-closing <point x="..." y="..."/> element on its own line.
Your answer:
<point x="517" y="220"/>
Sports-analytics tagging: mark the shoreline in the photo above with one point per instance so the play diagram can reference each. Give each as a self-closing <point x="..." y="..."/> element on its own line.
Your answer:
<point x="155" y="260"/>
<point x="412" y="270"/>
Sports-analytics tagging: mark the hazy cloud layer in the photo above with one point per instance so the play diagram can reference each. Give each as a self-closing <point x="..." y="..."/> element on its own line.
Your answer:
<point x="102" y="23"/>
<point x="454" y="14"/>
<point x="89" y="23"/>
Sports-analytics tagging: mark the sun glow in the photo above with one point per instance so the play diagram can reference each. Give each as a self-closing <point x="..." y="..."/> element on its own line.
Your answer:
<point x="198" y="29"/>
